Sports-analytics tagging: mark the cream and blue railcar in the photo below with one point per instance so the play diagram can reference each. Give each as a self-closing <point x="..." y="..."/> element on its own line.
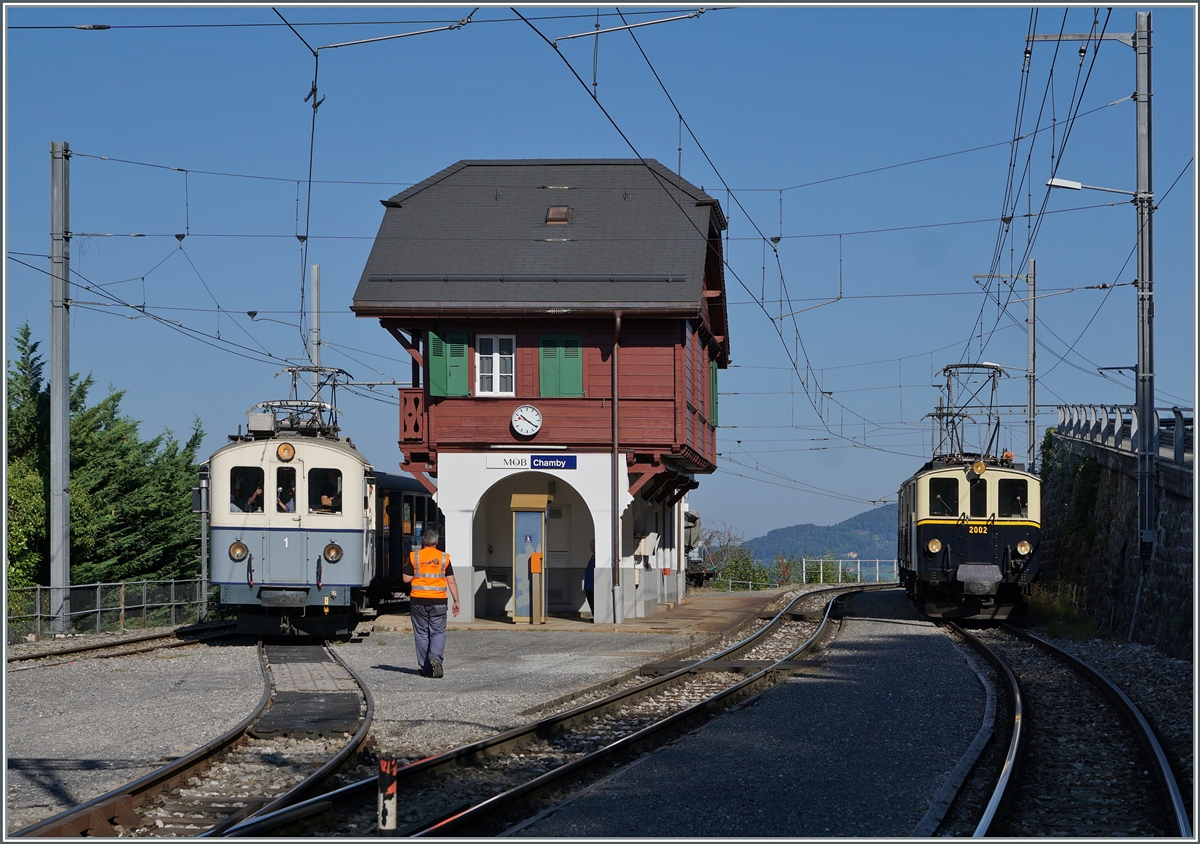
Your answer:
<point x="292" y="533"/>
<point x="968" y="536"/>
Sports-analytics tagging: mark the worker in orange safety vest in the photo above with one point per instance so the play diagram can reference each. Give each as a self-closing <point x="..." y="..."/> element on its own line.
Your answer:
<point x="431" y="576"/>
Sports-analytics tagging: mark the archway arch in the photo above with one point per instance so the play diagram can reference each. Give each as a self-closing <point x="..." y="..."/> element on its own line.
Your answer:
<point x="570" y="527"/>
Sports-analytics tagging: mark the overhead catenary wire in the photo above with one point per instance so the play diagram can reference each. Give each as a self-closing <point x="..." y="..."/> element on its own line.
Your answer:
<point x="269" y="25"/>
<point x="314" y="95"/>
<point x="726" y="265"/>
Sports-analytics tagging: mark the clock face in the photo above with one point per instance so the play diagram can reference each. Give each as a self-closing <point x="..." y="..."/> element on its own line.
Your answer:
<point x="527" y="420"/>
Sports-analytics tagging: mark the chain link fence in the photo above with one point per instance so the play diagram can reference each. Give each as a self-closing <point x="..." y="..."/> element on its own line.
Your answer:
<point x="38" y="612"/>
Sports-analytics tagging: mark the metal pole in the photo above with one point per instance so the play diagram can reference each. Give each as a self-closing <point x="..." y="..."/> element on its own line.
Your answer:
<point x="618" y="598"/>
<point x="314" y="333"/>
<point x="1147" y="418"/>
<point x="1031" y="368"/>
<point x="60" y="385"/>
<point x="202" y="609"/>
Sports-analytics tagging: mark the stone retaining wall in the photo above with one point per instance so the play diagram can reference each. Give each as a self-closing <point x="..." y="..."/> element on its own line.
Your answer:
<point x="1089" y="541"/>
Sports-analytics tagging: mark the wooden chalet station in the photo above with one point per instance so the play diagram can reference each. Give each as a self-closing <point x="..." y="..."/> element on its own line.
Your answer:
<point x="566" y="320"/>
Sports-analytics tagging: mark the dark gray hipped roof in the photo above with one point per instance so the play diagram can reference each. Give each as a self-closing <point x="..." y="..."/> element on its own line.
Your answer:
<point x="475" y="238"/>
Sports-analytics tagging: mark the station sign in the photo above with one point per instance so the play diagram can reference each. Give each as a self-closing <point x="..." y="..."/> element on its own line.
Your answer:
<point x="532" y="461"/>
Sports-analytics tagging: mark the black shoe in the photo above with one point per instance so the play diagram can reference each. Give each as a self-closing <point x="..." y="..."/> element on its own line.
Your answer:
<point x="437" y="668"/>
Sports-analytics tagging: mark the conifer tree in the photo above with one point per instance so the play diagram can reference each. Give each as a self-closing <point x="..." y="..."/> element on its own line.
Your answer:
<point x="130" y="499"/>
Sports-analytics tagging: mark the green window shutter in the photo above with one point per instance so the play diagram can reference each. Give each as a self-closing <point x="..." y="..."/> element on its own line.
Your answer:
<point x="571" y="365"/>
<point x="549" y="365"/>
<point x="436" y="353"/>
<point x="457" y="382"/>
<point x="712" y="393"/>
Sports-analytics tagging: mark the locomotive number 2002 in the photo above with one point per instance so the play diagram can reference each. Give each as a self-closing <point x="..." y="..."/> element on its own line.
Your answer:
<point x="977" y="528"/>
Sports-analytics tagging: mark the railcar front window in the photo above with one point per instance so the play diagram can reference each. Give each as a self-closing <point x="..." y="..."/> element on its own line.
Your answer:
<point x="943" y="497"/>
<point x="979" y="498"/>
<point x="246" y="489"/>
<point x="1014" y="498"/>
<point x="324" y="491"/>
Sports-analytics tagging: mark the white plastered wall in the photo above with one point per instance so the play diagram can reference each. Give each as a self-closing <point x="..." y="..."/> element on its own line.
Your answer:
<point x="463" y="483"/>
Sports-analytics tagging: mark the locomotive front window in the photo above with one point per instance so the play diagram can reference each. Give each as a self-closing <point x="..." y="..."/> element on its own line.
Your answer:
<point x="246" y="489"/>
<point x="285" y="489"/>
<point x="943" y="497"/>
<point x="1014" y="498"/>
<point x="324" y="491"/>
<point x="978" y="498"/>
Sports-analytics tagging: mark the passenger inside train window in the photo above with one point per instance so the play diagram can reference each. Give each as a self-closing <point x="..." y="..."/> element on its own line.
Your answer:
<point x="979" y="498"/>
<point x="246" y="489"/>
<point x="1014" y="498"/>
<point x="285" y="490"/>
<point x="943" y="497"/>
<point x="324" y="491"/>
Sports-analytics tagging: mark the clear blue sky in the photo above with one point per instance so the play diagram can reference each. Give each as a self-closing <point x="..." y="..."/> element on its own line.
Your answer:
<point x="791" y="105"/>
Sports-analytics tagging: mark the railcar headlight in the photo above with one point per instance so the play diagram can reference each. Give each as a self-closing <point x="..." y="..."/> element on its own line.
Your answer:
<point x="285" y="452"/>
<point x="978" y="467"/>
<point x="238" y="551"/>
<point x="333" y="552"/>
<point x="1023" y="548"/>
<point x="934" y="545"/>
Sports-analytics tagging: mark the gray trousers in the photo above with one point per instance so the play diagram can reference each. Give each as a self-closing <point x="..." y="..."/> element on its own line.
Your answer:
<point x="429" y="633"/>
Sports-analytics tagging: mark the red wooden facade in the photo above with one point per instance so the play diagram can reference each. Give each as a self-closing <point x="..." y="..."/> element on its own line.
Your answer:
<point x="664" y="378"/>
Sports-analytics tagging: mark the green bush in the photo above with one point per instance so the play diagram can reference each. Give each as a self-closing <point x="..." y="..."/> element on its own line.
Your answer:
<point x="785" y="569"/>
<point x="740" y="565"/>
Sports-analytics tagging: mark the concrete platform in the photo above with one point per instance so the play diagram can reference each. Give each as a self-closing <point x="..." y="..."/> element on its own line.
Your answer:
<point x="700" y="612"/>
<point x="860" y="746"/>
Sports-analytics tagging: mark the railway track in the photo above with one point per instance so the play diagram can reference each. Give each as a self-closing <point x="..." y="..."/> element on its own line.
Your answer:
<point x="313" y="715"/>
<point x="1080" y="760"/>
<point x="113" y="648"/>
<point x="491" y="785"/>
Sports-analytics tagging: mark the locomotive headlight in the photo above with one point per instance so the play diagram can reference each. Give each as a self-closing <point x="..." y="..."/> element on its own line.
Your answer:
<point x="238" y="551"/>
<point x="1023" y="548"/>
<point x="978" y="467"/>
<point x="333" y="552"/>
<point x="285" y="452"/>
<point x="934" y="545"/>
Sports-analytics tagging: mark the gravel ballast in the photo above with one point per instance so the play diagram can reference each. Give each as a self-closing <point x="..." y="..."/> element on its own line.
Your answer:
<point x="75" y="731"/>
<point x="78" y="730"/>
<point x="490" y="678"/>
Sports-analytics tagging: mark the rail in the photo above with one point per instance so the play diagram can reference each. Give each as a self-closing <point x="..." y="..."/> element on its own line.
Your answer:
<point x="1115" y="427"/>
<point x="101" y="607"/>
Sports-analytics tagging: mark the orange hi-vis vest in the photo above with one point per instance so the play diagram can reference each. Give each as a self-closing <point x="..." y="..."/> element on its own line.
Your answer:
<point x="429" y="573"/>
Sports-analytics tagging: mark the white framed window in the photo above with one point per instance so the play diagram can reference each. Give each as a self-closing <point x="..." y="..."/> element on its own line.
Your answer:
<point x="495" y="366"/>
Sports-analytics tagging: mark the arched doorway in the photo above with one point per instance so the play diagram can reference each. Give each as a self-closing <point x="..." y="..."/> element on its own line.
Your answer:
<point x="524" y="522"/>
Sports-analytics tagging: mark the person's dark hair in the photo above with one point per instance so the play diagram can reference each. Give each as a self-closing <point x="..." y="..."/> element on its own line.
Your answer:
<point x="430" y="538"/>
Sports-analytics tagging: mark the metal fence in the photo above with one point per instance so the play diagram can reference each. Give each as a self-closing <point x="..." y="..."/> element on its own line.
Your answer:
<point x="1115" y="426"/>
<point x="34" y="612"/>
<point x="823" y="570"/>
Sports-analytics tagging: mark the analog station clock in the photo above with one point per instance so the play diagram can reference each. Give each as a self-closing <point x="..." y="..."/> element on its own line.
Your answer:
<point x="527" y="420"/>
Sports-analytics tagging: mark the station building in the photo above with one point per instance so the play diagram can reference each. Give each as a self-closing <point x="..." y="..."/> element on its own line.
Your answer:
<point x="566" y="321"/>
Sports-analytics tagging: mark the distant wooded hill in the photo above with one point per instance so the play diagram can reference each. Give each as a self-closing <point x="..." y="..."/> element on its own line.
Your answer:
<point x="870" y="535"/>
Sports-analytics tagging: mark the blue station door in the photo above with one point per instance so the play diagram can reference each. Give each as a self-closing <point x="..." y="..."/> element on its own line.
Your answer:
<point x="529" y="577"/>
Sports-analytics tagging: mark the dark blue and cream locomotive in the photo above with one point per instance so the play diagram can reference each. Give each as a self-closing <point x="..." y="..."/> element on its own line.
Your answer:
<point x="305" y="537"/>
<point x="968" y="536"/>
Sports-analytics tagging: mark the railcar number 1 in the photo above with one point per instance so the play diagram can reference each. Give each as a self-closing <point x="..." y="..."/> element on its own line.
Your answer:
<point x="977" y="528"/>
